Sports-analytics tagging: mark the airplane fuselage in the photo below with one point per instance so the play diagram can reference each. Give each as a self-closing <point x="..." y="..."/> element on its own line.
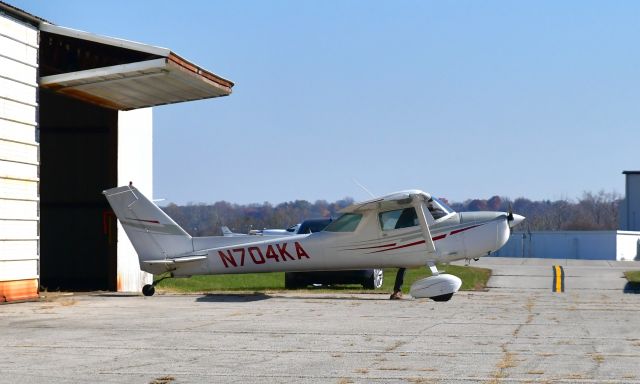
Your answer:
<point x="454" y="238"/>
<point x="404" y="229"/>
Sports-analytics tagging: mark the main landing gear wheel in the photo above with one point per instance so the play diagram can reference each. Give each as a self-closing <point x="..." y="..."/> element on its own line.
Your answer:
<point x="148" y="290"/>
<point x="291" y="281"/>
<point x="446" y="297"/>
<point x="375" y="280"/>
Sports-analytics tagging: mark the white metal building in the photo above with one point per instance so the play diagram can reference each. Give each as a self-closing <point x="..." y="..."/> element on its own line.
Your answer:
<point x="75" y="119"/>
<point x="618" y="245"/>
<point x="586" y="245"/>
<point x="630" y="207"/>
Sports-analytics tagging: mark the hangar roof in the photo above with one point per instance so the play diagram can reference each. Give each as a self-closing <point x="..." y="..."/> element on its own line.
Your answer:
<point x="116" y="73"/>
<point x="120" y="74"/>
<point x="20" y="13"/>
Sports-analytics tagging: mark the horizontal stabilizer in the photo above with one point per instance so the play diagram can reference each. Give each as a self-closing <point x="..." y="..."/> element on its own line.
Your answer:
<point x="177" y="260"/>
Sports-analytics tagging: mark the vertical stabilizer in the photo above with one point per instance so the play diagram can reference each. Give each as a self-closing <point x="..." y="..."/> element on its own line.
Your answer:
<point x="154" y="235"/>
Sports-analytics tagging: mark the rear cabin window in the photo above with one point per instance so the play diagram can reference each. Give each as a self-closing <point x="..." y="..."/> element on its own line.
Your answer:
<point x="400" y="218"/>
<point x="345" y="223"/>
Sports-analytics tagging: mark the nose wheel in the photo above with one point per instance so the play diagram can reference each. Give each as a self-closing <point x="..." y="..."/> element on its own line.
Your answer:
<point x="446" y="297"/>
<point x="438" y="287"/>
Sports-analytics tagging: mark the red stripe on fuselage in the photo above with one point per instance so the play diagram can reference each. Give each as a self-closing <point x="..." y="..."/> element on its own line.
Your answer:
<point x="146" y="221"/>
<point x="374" y="247"/>
<point x="463" y="229"/>
<point x="401" y="246"/>
<point x="435" y="238"/>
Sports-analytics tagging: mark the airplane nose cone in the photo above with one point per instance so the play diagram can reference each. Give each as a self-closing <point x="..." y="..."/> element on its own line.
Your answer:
<point x="517" y="219"/>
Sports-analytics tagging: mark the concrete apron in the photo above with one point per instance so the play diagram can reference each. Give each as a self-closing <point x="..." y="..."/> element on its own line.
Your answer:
<point x="531" y="273"/>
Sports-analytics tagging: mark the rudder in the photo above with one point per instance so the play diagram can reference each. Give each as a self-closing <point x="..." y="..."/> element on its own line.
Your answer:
<point x="154" y="235"/>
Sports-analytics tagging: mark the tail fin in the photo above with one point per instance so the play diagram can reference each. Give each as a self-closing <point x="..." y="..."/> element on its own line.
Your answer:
<point x="226" y="231"/>
<point x="154" y="235"/>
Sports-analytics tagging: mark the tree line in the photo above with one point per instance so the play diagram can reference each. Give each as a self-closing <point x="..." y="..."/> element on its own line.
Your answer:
<point x="208" y="219"/>
<point x="592" y="211"/>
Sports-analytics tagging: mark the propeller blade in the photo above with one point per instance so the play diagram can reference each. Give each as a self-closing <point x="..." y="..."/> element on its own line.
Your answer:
<point x="510" y="215"/>
<point x="510" y="219"/>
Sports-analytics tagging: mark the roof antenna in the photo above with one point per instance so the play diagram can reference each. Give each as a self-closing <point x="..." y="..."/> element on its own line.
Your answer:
<point x="363" y="187"/>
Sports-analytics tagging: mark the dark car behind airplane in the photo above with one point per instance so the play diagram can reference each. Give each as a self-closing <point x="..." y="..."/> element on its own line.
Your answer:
<point x="368" y="278"/>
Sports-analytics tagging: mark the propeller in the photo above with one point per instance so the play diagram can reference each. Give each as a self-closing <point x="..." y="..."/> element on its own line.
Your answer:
<point x="510" y="218"/>
<point x="513" y="220"/>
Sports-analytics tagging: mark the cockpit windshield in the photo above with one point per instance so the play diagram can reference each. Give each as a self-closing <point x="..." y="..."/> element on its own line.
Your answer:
<point x="438" y="208"/>
<point x="348" y="222"/>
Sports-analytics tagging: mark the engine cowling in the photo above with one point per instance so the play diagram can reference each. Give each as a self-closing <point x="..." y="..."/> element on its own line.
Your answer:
<point x="438" y="288"/>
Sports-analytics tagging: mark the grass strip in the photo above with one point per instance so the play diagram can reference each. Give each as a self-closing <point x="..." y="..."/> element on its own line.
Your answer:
<point x="632" y="276"/>
<point x="472" y="279"/>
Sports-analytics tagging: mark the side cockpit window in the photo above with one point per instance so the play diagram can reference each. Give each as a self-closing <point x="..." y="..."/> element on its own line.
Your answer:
<point x="399" y="218"/>
<point x="438" y="209"/>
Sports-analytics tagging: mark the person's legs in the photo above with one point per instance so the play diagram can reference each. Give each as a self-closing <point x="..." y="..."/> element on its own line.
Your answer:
<point x="397" y="287"/>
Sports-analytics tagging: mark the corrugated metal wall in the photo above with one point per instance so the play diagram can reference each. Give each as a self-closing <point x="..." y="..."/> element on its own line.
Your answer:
<point x="135" y="164"/>
<point x="19" y="172"/>
<point x="628" y="246"/>
<point x="630" y="207"/>
<point x="585" y="245"/>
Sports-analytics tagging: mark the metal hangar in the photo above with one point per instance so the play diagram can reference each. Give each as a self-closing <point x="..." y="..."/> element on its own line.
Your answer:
<point x="75" y="119"/>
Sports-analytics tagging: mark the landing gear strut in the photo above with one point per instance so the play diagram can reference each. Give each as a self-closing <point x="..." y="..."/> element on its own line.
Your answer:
<point x="150" y="289"/>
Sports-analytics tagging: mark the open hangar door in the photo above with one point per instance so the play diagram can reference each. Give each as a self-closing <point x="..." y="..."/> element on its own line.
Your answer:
<point x="78" y="160"/>
<point x="88" y="143"/>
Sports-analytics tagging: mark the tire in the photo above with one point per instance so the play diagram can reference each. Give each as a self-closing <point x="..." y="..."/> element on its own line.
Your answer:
<point x="291" y="281"/>
<point x="375" y="280"/>
<point x="445" y="297"/>
<point x="148" y="290"/>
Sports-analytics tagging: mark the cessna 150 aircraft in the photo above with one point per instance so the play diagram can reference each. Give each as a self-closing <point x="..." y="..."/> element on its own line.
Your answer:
<point x="404" y="229"/>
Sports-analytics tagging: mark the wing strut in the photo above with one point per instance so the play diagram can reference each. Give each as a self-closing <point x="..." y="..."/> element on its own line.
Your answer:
<point x="422" y="218"/>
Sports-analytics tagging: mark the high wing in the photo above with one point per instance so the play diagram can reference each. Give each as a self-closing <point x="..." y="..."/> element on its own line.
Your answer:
<point x="397" y="200"/>
<point x="391" y="201"/>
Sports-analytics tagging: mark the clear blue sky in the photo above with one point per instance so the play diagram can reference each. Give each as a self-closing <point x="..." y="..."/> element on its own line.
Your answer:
<point x="464" y="99"/>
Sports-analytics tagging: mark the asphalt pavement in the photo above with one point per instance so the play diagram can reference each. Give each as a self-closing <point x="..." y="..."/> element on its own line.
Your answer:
<point x="518" y="331"/>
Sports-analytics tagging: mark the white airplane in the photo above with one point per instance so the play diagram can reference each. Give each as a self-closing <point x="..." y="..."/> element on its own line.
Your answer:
<point x="262" y="232"/>
<point x="404" y="229"/>
<point x="228" y="233"/>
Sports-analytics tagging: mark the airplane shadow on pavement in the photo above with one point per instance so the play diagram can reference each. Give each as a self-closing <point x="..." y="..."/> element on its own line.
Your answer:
<point x="258" y="296"/>
<point x="632" y="288"/>
<point x="232" y="298"/>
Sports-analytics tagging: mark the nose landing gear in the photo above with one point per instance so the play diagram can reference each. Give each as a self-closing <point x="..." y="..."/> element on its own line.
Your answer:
<point x="446" y="297"/>
<point x="439" y="287"/>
